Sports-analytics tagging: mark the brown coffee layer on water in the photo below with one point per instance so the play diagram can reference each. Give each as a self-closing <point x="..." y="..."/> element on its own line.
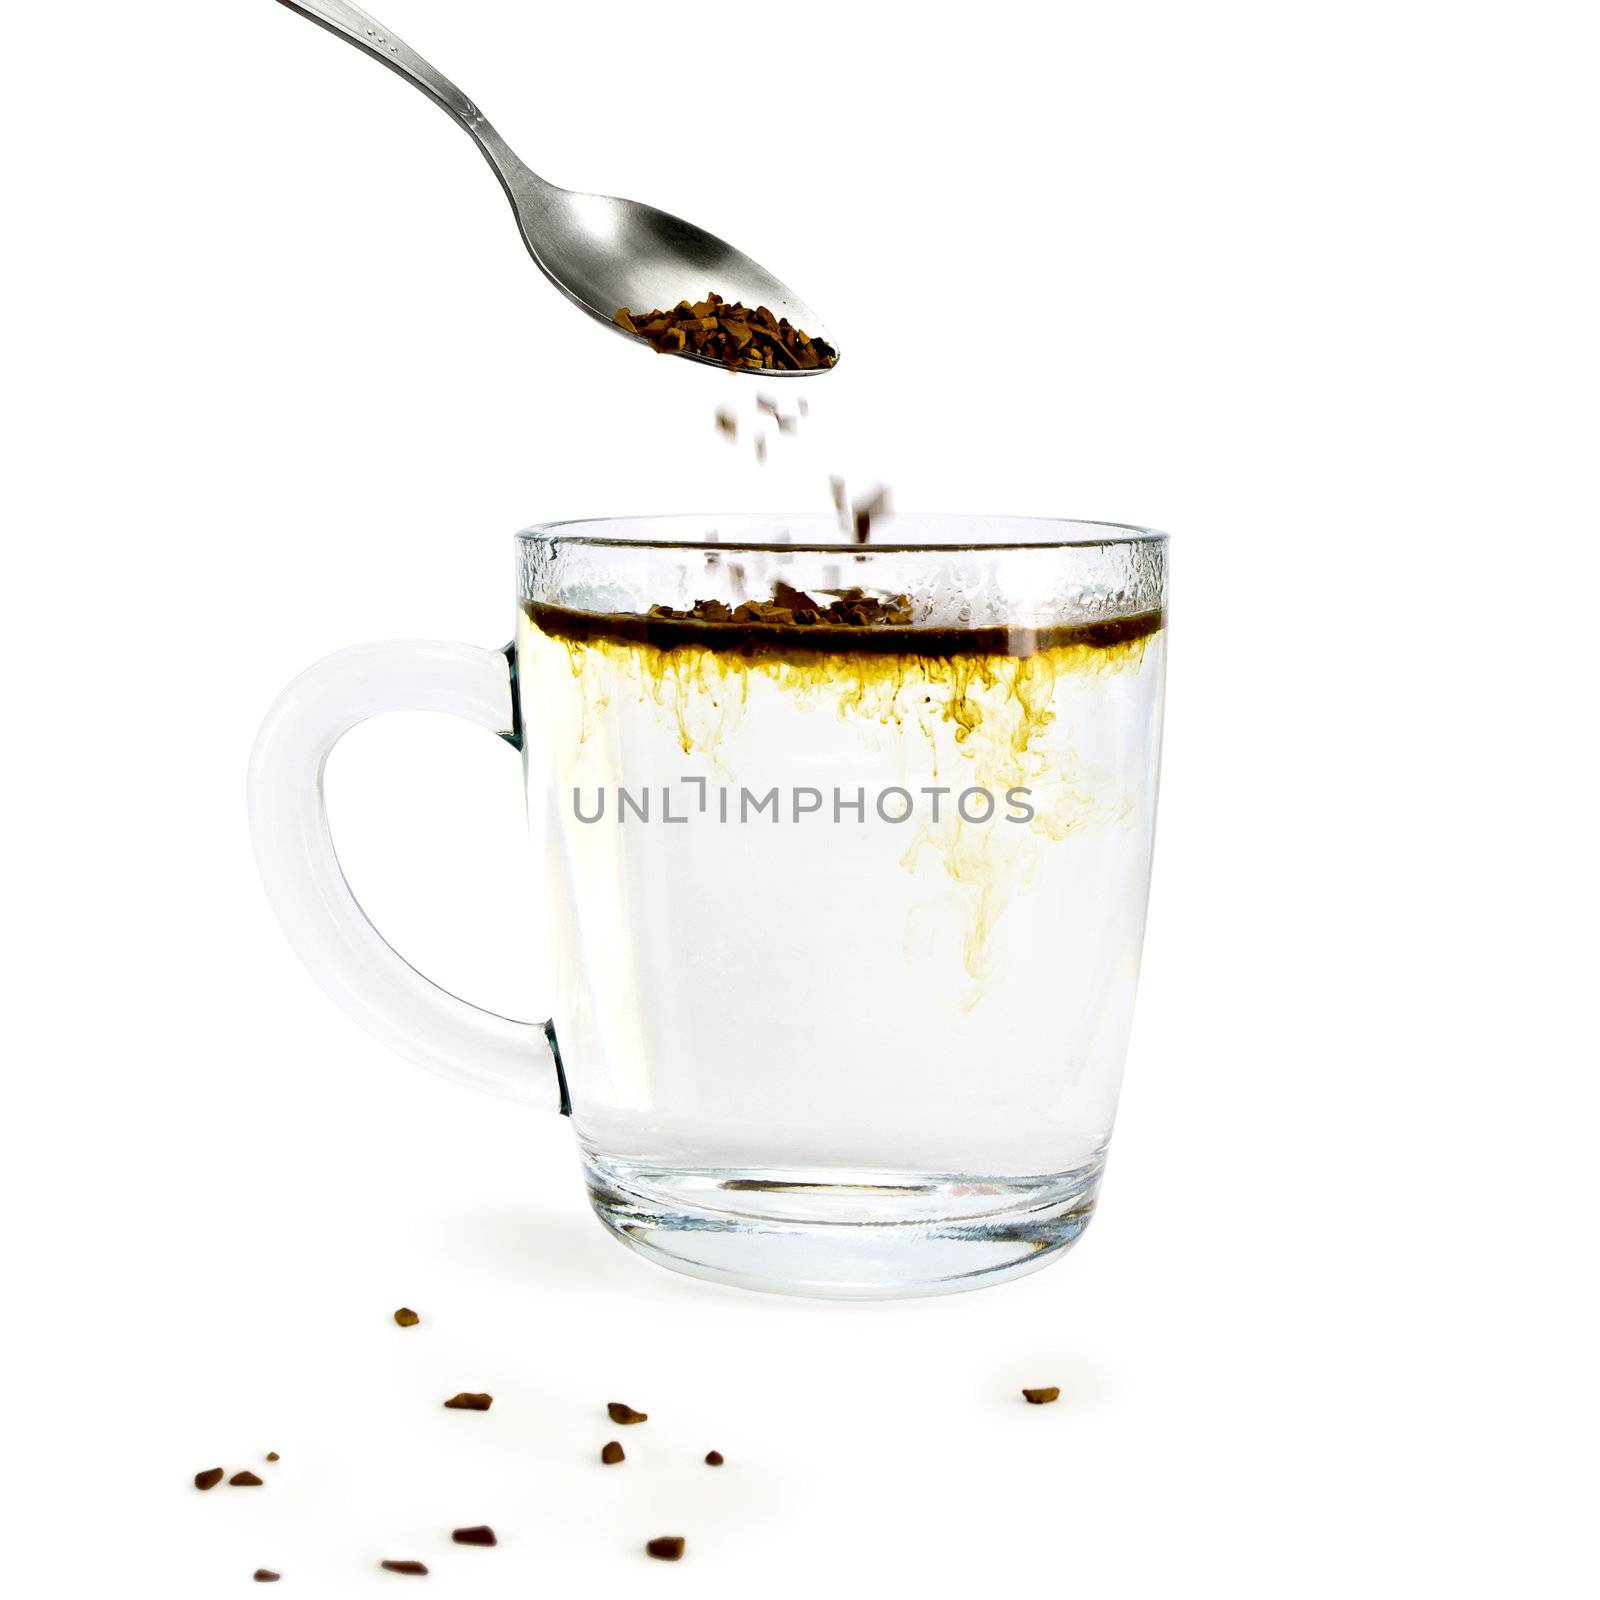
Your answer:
<point x="994" y="686"/>
<point x="1002" y="709"/>
<point x="788" y="636"/>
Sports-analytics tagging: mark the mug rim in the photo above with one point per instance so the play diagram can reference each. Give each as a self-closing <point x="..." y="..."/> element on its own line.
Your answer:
<point x="569" y="531"/>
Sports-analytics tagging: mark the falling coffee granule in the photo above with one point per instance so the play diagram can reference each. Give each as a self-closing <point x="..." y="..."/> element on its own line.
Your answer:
<point x="272" y="1455"/>
<point x="840" y="505"/>
<point x="732" y="334"/>
<point x="625" y="1414"/>
<point x="727" y="423"/>
<point x="208" y="1479"/>
<point x="611" y="1453"/>
<point x="666" y="1549"/>
<point x="469" y="1402"/>
<point x="412" y="1569"/>
<point x="863" y="513"/>
<point x="1041" y="1397"/>
<point x="406" y="1317"/>
<point x="479" y="1535"/>
<point x="713" y="1458"/>
<point x="263" y="1575"/>
<point x="245" y="1480"/>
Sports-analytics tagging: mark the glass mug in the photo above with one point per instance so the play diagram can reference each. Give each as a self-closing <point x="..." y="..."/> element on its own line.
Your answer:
<point x="847" y="851"/>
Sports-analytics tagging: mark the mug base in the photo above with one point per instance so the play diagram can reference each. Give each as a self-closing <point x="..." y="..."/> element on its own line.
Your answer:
<point x="842" y="1235"/>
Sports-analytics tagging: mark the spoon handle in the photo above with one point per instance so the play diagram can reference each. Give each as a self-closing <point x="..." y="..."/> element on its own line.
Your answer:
<point x="367" y="33"/>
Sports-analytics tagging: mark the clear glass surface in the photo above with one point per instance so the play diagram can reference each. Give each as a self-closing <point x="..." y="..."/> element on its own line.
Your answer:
<point x="847" y="919"/>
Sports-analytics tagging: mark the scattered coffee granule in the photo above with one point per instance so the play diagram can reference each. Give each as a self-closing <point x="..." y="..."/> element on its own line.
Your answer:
<point x="713" y="1458"/>
<point x="469" y="1402"/>
<point x="272" y="1455"/>
<point x="611" y="1453"/>
<point x="406" y="1317"/>
<point x="625" y="1414"/>
<point x="412" y="1569"/>
<point x="733" y="334"/>
<point x="805" y="409"/>
<point x="265" y="1575"/>
<point x="727" y="423"/>
<point x="479" y="1535"/>
<point x="765" y="402"/>
<point x="245" y="1480"/>
<point x="667" y="1548"/>
<point x="761" y="448"/>
<point x="208" y="1479"/>
<point x="1041" y="1397"/>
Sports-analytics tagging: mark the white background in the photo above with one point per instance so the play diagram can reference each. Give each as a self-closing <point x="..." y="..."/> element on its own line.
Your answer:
<point x="1311" y="287"/>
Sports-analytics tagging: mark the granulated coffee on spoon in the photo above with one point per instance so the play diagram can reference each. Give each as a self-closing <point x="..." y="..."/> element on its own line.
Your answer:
<point x="735" y="335"/>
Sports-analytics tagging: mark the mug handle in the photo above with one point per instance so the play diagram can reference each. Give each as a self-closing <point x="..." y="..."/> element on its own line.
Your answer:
<point x="320" y="915"/>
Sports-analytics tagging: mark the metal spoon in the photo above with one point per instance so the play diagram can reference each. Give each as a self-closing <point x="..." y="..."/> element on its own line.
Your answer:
<point x="601" y="253"/>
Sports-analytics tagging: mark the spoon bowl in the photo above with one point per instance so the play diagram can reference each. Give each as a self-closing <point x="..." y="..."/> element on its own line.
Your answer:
<point x="602" y="253"/>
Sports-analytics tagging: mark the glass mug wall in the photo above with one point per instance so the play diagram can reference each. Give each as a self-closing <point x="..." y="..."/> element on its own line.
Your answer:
<point x="846" y="855"/>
